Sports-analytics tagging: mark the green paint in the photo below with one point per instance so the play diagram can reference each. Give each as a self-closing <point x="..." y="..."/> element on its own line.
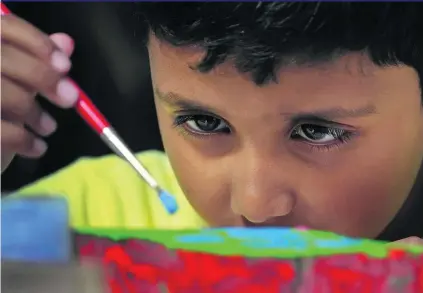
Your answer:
<point x="231" y="246"/>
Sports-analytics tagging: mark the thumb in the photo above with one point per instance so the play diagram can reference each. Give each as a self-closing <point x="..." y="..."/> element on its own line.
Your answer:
<point x="410" y="240"/>
<point x="64" y="42"/>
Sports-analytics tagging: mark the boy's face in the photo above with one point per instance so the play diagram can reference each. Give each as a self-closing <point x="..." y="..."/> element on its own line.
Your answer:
<point x="333" y="147"/>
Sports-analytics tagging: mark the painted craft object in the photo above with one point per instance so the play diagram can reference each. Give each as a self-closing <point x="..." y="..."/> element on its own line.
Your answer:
<point x="250" y="261"/>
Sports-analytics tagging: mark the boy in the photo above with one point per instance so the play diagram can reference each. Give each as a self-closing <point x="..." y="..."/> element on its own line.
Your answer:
<point x="272" y="114"/>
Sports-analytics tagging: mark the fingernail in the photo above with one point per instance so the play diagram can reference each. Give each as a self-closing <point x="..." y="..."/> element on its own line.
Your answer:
<point x="67" y="92"/>
<point x="60" y="61"/>
<point x="39" y="146"/>
<point x="48" y="124"/>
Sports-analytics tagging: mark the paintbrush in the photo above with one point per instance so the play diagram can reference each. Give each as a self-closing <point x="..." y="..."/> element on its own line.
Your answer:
<point x="89" y="112"/>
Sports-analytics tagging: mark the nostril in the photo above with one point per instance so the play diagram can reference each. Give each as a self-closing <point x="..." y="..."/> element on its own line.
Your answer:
<point x="260" y="211"/>
<point x="256" y="220"/>
<point x="270" y="222"/>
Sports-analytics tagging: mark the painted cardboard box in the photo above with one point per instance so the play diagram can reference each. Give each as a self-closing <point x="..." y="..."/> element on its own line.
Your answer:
<point x="250" y="261"/>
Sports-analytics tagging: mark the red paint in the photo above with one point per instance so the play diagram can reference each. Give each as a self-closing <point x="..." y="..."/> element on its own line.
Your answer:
<point x="142" y="266"/>
<point x="373" y="276"/>
<point x="345" y="280"/>
<point x="363" y="258"/>
<point x="206" y="270"/>
<point x="87" y="250"/>
<point x="397" y="254"/>
<point x="418" y="270"/>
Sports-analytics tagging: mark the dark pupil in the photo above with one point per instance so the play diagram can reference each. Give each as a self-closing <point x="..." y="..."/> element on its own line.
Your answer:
<point x="314" y="131"/>
<point x="207" y="123"/>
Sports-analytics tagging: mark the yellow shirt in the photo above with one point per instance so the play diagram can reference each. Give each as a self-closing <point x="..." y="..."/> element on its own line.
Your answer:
<point x="106" y="192"/>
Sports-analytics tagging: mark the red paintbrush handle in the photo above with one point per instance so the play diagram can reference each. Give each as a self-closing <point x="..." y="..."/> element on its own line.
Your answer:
<point x="85" y="108"/>
<point x="4" y="9"/>
<point x="89" y="112"/>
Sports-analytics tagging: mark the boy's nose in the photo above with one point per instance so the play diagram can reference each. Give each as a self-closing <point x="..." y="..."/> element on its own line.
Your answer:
<point x="258" y="212"/>
<point x="261" y="191"/>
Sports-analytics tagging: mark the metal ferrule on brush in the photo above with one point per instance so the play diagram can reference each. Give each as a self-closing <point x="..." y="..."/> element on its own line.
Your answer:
<point x="112" y="139"/>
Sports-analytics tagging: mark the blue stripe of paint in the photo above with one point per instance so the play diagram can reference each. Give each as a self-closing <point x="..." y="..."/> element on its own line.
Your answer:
<point x="269" y="238"/>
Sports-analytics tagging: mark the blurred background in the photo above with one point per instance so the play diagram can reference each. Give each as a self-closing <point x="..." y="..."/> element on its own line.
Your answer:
<point x="111" y="64"/>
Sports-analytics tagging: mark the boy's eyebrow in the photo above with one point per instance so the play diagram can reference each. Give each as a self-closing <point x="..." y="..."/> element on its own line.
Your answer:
<point x="334" y="113"/>
<point x="177" y="100"/>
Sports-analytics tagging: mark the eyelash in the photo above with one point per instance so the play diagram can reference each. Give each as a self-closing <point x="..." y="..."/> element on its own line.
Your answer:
<point x="342" y="136"/>
<point x="180" y="121"/>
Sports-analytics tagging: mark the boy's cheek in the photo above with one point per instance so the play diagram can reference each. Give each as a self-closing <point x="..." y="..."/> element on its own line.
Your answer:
<point x="203" y="183"/>
<point x="206" y="190"/>
<point x="349" y="210"/>
<point x="354" y="199"/>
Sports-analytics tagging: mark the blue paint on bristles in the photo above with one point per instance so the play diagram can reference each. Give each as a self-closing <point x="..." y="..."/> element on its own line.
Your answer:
<point x="168" y="201"/>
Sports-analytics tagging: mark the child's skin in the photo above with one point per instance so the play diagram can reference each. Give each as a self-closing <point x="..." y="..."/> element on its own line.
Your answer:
<point x="259" y="173"/>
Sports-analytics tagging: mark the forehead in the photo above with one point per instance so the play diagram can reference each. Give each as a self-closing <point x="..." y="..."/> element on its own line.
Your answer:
<point x="350" y="81"/>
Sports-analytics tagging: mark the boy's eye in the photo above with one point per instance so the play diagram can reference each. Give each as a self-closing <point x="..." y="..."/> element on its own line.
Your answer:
<point x="318" y="134"/>
<point x="205" y="124"/>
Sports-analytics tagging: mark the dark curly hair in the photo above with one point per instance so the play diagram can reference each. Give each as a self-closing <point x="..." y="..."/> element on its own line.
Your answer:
<point x="260" y="37"/>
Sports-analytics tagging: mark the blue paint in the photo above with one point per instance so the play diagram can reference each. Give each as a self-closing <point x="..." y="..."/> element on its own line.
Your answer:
<point x="269" y="238"/>
<point x="168" y="201"/>
<point x="35" y="229"/>
<point x="200" y="238"/>
<point x="341" y="242"/>
<point x="265" y="238"/>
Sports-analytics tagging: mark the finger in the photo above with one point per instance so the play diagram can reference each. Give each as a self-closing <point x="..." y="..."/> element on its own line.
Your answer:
<point x="63" y="42"/>
<point x="14" y="100"/>
<point x="21" y="33"/>
<point x="15" y="138"/>
<point x="19" y="105"/>
<point x="35" y="74"/>
<point x="41" y="122"/>
<point x="411" y="241"/>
